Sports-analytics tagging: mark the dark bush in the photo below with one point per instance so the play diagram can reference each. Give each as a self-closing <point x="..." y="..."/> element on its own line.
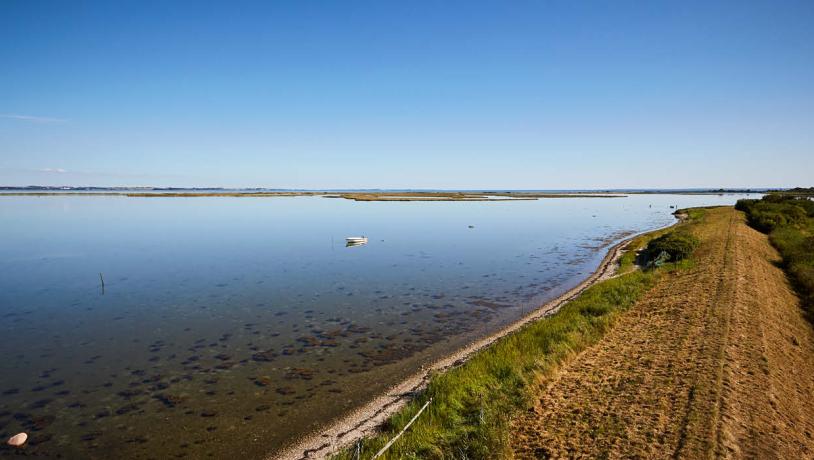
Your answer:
<point x="807" y="204"/>
<point x="677" y="244"/>
<point x="776" y="211"/>
<point x="745" y="205"/>
<point x="788" y="220"/>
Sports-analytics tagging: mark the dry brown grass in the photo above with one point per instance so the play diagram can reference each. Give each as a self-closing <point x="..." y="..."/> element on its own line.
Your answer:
<point x="715" y="361"/>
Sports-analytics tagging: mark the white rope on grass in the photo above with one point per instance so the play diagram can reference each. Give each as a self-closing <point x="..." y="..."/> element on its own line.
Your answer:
<point x="387" y="446"/>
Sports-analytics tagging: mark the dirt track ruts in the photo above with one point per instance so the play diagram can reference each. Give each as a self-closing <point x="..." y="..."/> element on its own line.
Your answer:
<point x="715" y="361"/>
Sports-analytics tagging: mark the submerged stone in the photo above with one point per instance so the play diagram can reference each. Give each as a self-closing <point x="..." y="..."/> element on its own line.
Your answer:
<point x="286" y="390"/>
<point x="17" y="440"/>
<point x="263" y="381"/>
<point x="264" y="356"/>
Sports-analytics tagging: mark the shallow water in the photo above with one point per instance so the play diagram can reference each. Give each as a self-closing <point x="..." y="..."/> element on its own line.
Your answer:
<point x="233" y="325"/>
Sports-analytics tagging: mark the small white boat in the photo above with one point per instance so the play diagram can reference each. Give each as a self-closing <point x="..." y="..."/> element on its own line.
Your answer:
<point x="356" y="240"/>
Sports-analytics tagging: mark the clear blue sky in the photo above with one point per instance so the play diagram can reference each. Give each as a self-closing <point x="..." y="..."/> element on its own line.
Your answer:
<point x="466" y="94"/>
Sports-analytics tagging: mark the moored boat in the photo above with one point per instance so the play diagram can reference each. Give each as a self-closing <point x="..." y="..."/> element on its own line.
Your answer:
<point x="356" y="240"/>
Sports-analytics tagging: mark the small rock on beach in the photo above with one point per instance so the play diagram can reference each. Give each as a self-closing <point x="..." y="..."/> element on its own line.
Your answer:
<point x="17" y="440"/>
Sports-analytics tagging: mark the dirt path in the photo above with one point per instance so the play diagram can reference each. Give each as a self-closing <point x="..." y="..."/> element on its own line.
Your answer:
<point x="715" y="361"/>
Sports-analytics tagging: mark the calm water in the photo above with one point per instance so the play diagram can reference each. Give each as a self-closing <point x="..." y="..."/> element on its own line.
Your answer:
<point x="232" y="325"/>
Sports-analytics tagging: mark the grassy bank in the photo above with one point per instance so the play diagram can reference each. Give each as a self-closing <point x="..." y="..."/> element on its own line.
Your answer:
<point x="789" y="221"/>
<point x="472" y="405"/>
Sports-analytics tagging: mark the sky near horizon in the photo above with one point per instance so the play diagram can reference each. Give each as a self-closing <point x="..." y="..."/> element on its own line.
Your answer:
<point x="475" y="94"/>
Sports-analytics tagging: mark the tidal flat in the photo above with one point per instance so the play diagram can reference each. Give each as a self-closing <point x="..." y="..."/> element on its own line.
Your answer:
<point x="355" y="196"/>
<point x="237" y="326"/>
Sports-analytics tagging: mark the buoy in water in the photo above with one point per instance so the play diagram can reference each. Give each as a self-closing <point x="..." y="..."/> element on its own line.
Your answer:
<point x="17" y="440"/>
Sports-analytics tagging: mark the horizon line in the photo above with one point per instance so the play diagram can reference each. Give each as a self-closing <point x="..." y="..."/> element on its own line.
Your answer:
<point x="301" y="189"/>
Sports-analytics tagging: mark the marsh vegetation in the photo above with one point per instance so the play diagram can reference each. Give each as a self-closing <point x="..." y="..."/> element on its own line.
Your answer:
<point x="788" y="219"/>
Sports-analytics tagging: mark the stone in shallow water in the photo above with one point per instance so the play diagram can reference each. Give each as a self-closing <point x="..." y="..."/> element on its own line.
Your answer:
<point x="303" y="373"/>
<point x="169" y="400"/>
<point x="17" y="440"/>
<point x="264" y="356"/>
<point x="42" y="422"/>
<point x="286" y="390"/>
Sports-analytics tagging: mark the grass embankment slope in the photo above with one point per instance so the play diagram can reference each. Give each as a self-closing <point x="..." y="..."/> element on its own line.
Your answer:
<point x="709" y="357"/>
<point x="788" y="218"/>
<point x="715" y="360"/>
<point x="474" y="405"/>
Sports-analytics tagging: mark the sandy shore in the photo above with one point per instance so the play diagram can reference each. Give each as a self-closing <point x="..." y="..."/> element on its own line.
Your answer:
<point x="366" y="419"/>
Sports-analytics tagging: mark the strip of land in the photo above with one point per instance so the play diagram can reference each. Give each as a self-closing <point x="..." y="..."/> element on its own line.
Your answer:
<point x="355" y="196"/>
<point x="368" y="195"/>
<point x="716" y="360"/>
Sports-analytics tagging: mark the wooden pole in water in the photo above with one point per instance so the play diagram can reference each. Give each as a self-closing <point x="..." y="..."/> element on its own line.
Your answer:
<point x="102" y="279"/>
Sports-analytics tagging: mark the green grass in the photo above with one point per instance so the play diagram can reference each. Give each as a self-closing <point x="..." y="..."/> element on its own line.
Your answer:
<point x="695" y="214"/>
<point x="631" y="258"/>
<point x="675" y="246"/>
<point x="789" y="222"/>
<point x="628" y="262"/>
<point x="472" y="405"/>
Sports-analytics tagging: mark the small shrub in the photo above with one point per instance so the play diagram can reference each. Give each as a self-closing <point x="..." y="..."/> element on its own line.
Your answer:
<point x="678" y="245"/>
<point x="745" y="205"/>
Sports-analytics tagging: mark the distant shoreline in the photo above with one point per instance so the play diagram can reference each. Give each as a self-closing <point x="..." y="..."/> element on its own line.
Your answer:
<point x="371" y="195"/>
<point x="355" y="196"/>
